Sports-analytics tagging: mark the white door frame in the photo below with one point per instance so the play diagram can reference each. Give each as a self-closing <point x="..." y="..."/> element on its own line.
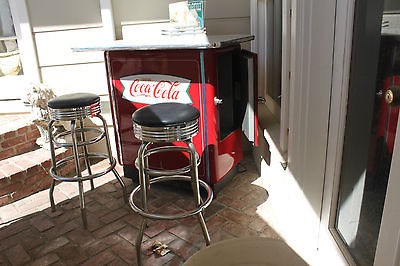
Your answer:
<point x="308" y="44"/>
<point x="388" y="246"/>
<point x="107" y="18"/>
<point x="328" y="246"/>
<point x="260" y="19"/>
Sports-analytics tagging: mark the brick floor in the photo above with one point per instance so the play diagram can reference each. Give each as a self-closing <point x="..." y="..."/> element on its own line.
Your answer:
<point x="30" y="234"/>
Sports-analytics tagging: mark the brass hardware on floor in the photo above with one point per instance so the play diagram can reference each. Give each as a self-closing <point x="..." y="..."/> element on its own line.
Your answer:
<point x="159" y="248"/>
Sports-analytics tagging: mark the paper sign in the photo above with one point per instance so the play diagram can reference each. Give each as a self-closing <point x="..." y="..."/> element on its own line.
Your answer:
<point x="187" y="13"/>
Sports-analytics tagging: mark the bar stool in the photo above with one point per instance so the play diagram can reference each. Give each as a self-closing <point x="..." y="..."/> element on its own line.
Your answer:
<point x="164" y="123"/>
<point x="75" y="108"/>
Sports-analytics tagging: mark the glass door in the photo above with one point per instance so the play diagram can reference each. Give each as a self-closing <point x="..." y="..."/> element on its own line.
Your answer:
<point x="371" y="122"/>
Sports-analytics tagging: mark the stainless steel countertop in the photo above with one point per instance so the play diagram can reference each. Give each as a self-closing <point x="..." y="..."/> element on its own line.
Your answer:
<point x="195" y="41"/>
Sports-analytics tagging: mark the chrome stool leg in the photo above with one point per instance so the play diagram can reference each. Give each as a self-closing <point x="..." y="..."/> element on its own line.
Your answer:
<point x="143" y="183"/>
<point x="82" y="204"/>
<point x="78" y="172"/>
<point x="196" y="191"/>
<point x="51" y="191"/>
<point x="86" y="153"/>
<point x="53" y="163"/>
<point x="111" y="158"/>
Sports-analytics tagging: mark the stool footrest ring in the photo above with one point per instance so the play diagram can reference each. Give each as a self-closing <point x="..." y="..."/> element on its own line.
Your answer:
<point x="158" y="172"/>
<point x="185" y="214"/>
<point x="100" y="134"/>
<point x="168" y="172"/>
<point x="62" y="163"/>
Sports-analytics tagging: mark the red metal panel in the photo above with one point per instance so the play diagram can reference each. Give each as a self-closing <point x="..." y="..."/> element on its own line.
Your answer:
<point x="218" y="156"/>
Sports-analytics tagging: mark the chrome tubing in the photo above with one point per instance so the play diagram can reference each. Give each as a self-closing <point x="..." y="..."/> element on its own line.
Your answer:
<point x="198" y="209"/>
<point x="166" y="134"/>
<point x="68" y="114"/>
<point x="63" y="135"/>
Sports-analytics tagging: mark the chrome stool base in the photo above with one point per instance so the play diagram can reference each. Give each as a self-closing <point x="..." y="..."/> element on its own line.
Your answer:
<point x="204" y="204"/>
<point x="157" y="124"/>
<point x="77" y="140"/>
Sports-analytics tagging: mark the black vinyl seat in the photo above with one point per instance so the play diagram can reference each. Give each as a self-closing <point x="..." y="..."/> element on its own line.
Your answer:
<point x="73" y="100"/>
<point x="166" y="122"/>
<point x="165" y="115"/>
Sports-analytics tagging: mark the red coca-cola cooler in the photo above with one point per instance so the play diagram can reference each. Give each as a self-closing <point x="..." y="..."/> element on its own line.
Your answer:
<point x="218" y="79"/>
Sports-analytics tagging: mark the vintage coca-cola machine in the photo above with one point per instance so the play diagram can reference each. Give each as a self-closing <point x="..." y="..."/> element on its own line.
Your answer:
<point x="216" y="77"/>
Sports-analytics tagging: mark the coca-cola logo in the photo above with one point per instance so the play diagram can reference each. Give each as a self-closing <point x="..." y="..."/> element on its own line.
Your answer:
<point x="155" y="88"/>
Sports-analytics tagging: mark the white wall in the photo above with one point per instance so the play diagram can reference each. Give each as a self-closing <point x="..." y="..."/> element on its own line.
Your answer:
<point x="222" y="16"/>
<point x="58" y="25"/>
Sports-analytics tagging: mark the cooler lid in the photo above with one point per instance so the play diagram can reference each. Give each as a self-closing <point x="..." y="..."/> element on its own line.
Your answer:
<point x="195" y="41"/>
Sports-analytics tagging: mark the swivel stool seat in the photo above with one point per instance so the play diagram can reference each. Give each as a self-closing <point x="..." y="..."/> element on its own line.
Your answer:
<point x="162" y="124"/>
<point x="75" y="108"/>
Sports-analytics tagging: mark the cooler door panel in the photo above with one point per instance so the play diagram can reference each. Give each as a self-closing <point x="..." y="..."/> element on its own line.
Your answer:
<point x="250" y="121"/>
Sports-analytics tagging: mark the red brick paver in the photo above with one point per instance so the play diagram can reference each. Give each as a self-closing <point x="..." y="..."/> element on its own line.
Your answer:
<point x="30" y="234"/>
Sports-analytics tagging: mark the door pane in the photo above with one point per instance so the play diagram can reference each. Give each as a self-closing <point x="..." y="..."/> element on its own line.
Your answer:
<point x="370" y="128"/>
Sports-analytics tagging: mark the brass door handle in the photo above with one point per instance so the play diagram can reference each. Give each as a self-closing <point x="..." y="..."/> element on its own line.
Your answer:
<point x="392" y="96"/>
